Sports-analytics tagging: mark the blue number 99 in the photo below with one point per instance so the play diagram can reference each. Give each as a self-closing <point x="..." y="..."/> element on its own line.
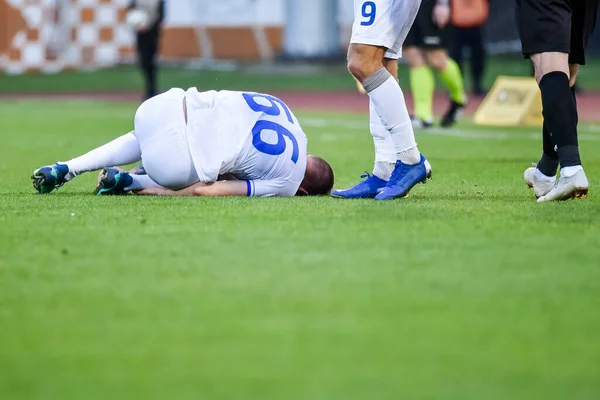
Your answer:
<point x="369" y="9"/>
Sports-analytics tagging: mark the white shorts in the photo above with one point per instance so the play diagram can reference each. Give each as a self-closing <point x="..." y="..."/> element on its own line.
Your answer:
<point x="160" y="129"/>
<point x="384" y="23"/>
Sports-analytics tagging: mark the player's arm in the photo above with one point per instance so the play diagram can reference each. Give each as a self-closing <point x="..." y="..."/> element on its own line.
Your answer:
<point x="220" y="188"/>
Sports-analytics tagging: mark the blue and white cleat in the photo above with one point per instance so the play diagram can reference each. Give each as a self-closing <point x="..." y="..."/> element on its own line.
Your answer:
<point x="48" y="178"/>
<point x="113" y="183"/>
<point x="404" y="178"/>
<point x="366" y="189"/>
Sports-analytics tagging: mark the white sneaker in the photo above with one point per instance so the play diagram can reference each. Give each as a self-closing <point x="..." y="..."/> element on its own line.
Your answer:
<point x="540" y="187"/>
<point x="565" y="188"/>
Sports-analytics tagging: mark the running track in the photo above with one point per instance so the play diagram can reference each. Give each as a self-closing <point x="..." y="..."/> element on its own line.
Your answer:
<point x="588" y="103"/>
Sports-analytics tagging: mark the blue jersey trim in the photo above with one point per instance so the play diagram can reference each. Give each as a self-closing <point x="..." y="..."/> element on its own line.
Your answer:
<point x="248" y="188"/>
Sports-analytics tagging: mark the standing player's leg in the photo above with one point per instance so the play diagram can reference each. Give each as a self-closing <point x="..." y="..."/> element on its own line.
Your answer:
<point x="147" y="46"/>
<point x="385" y="150"/>
<point x="422" y="86"/>
<point x="542" y="176"/>
<point x="450" y="74"/>
<point x="433" y="20"/>
<point x="560" y="120"/>
<point x="478" y="59"/>
<point x="459" y="40"/>
<point x="383" y="25"/>
<point x="377" y="27"/>
<point x="422" y="81"/>
<point x="551" y="61"/>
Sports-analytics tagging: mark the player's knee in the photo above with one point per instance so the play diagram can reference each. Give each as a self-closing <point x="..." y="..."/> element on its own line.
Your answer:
<point x="545" y="63"/>
<point x="437" y="59"/>
<point x="362" y="69"/>
<point x="364" y="61"/>
<point x="414" y="57"/>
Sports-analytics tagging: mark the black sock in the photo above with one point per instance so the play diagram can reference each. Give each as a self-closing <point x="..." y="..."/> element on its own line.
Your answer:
<point x="548" y="164"/>
<point x="574" y="93"/>
<point x="560" y="116"/>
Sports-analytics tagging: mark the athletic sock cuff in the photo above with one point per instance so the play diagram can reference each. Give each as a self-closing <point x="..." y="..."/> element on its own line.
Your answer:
<point x="548" y="165"/>
<point x="569" y="156"/>
<point x="551" y="76"/>
<point x="376" y="80"/>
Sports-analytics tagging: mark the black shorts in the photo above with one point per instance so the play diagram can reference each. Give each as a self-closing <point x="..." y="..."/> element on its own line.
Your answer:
<point x="424" y="33"/>
<point x="563" y="26"/>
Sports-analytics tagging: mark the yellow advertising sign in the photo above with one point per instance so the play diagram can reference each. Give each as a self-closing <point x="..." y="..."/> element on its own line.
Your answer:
<point x="512" y="101"/>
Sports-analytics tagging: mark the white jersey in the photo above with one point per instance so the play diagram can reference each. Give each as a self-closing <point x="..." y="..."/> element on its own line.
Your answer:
<point x="383" y="23"/>
<point x="253" y="136"/>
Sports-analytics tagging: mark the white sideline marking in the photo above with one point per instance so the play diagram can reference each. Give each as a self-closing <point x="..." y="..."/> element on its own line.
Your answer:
<point x="452" y="132"/>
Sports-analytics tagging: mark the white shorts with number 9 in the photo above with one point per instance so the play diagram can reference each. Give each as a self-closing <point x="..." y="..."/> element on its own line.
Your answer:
<point x="383" y="23"/>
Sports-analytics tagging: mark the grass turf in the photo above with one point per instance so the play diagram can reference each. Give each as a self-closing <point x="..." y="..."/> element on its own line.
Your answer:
<point x="127" y="78"/>
<point x="468" y="289"/>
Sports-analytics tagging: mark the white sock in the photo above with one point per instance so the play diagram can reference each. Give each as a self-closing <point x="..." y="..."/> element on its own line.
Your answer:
<point x="388" y="101"/>
<point x="142" y="182"/>
<point x="541" y="177"/>
<point x="383" y="170"/>
<point x="123" y="150"/>
<point x="385" y="151"/>
<point x="409" y="156"/>
<point x="568" y="172"/>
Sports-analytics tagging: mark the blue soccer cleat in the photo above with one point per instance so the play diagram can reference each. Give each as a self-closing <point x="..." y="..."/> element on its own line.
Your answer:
<point x="48" y="178"/>
<point x="113" y="183"/>
<point x="404" y="178"/>
<point x="366" y="189"/>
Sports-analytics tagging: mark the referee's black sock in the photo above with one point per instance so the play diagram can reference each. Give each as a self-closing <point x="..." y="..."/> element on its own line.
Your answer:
<point x="560" y="116"/>
<point x="574" y="94"/>
<point x="548" y="164"/>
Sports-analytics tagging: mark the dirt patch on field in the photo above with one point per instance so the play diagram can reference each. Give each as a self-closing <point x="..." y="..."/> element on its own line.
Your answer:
<point x="588" y="103"/>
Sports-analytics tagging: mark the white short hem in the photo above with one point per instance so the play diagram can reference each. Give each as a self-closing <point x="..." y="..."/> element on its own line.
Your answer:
<point x="370" y="41"/>
<point x="390" y="53"/>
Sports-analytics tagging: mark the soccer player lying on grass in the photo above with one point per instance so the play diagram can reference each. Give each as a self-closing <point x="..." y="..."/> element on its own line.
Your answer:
<point x="187" y="139"/>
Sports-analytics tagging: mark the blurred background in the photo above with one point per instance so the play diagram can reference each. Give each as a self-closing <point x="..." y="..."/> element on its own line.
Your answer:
<point x="90" y="45"/>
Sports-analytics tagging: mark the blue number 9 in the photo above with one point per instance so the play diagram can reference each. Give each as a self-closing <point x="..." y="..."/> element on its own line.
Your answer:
<point x="277" y="148"/>
<point x="369" y="9"/>
<point x="261" y="125"/>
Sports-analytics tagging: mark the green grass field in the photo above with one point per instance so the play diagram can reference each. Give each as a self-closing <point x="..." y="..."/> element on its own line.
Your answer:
<point x="331" y="78"/>
<point x="468" y="289"/>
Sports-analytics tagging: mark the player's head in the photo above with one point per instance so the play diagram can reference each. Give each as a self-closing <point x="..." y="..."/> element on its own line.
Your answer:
<point x="318" y="179"/>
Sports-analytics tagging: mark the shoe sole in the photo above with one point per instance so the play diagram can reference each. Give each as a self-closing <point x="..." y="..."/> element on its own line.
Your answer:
<point x="428" y="177"/>
<point x="575" y="194"/>
<point x="578" y="194"/>
<point x="354" y="198"/>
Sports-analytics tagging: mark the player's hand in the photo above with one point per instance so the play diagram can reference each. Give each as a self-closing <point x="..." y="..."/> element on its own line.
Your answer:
<point x="441" y="15"/>
<point x="155" y="192"/>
